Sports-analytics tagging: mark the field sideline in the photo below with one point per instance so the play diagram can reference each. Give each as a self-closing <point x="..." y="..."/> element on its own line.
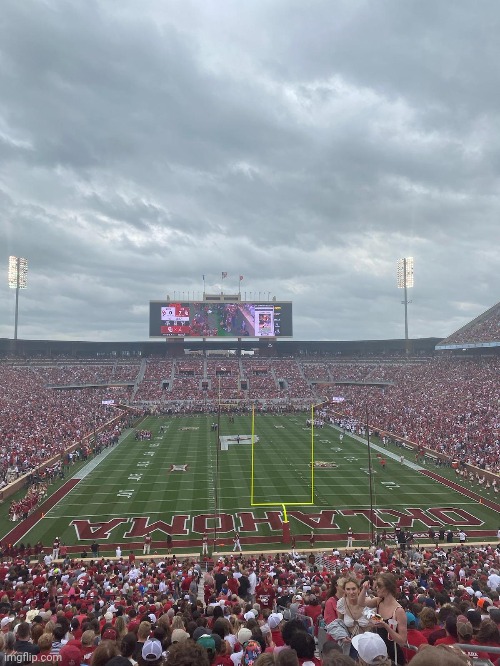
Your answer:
<point x="181" y="483"/>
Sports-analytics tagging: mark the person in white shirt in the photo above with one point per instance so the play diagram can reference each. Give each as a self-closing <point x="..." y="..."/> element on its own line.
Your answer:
<point x="493" y="580"/>
<point x="252" y="579"/>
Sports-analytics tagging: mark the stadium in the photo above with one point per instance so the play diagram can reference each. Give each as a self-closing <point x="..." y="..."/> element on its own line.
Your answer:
<point x="252" y="474"/>
<point x="267" y="437"/>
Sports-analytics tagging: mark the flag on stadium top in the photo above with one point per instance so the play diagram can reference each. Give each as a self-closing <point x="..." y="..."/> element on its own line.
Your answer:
<point x="337" y="398"/>
<point x="224" y="274"/>
<point x="241" y="278"/>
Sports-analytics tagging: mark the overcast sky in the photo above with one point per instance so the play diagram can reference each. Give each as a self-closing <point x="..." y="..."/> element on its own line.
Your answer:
<point x="306" y="145"/>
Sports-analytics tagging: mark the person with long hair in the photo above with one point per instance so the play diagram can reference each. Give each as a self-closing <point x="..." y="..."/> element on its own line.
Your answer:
<point x="332" y="596"/>
<point x="428" y="621"/>
<point x="488" y="634"/>
<point x="105" y="651"/>
<point x="390" y="618"/>
<point x="351" y="612"/>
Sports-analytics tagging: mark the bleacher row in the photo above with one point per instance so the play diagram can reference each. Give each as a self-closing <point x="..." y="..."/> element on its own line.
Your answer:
<point x="449" y="405"/>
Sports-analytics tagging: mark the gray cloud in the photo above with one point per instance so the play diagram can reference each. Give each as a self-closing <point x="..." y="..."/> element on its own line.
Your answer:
<point x="306" y="146"/>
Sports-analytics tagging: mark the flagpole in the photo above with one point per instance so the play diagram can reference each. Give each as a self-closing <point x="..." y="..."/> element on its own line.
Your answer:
<point x="203" y="287"/>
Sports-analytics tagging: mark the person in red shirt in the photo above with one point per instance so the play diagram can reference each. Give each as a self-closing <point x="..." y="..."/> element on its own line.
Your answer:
<point x="274" y="623"/>
<point x="415" y="637"/>
<point x="313" y="610"/>
<point x="451" y="637"/>
<point x="232" y="584"/>
<point x="428" y="622"/>
<point x="265" y="594"/>
<point x="488" y="634"/>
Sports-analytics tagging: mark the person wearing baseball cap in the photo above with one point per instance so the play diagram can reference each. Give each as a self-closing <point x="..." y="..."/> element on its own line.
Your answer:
<point x="371" y="649"/>
<point x="152" y="652"/>
<point x="274" y="622"/>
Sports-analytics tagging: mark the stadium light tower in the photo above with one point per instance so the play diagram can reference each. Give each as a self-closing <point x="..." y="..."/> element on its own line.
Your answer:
<point x="405" y="281"/>
<point x="18" y="279"/>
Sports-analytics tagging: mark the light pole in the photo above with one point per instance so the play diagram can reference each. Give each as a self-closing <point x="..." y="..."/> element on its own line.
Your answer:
<point x="369" y="384"/>
<point x="18" y="279"/>
<point x="405" y="281"/>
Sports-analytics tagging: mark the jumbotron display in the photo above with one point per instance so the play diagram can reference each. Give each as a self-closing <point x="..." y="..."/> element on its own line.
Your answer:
<point x="208" y="319"/>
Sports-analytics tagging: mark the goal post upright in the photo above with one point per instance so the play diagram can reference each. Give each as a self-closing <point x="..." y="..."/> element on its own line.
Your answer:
<point x="312" y="454"/>
<point x="285" y="522"/>
<point x="252" y="473"/>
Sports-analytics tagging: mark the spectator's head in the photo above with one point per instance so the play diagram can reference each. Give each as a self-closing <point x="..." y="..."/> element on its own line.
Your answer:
<point x="10" y="639"/>
<point x="371" y="648"/>
<point x="70" y="656"/>
<point x="151" y="653"/>
<point x="464" y="629"/>
<point x="207" y="642"/>
<point x="143" y="631"/>
<point x="187" y="654"/>
<point x="45" y="642"/>
<point x="303" y="644"/>
<point x="88" y="638"/>
<point x="386" y="584"/>
<point x="428" y="618"/>
<point x="105" y="651"/>
<point x="440" y="655"/>
<point x="287" y="657"/>
<point x="23" y="631"/>
<point x="290" y="628"/>
<point x="179" y="636"/>
<point x="495" y="615"/>
<point x="59" y="633"/>
<point x="474" y="617"/>
<point x="274" y="620"/>
<point x="488" y="632"/>
<point x="109" y="633"/>
<point x="127" y="645"/>
<point x="265" y="659"/>
<point x="118" y="661"/>
<point x="336" y="658"/>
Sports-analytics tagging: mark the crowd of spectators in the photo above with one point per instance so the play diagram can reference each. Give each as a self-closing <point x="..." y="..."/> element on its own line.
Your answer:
<point x="485" y="328"/>
<point x="37" y="423"/>
<point x="288" y="608"/>
<point x="448" y="405"/>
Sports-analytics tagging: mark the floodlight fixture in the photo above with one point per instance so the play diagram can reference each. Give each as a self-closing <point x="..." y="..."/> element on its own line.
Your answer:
<point x="405" y="273"/>
<point x="18" y="273"/>
<point x="405" y="281"/>
<point x="18" y="279"/>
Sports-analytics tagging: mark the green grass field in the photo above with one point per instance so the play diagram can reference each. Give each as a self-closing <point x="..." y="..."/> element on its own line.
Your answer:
<point x="209" y="489"/>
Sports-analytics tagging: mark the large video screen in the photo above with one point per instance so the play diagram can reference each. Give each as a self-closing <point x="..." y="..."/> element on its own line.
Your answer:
<point x="214" y="320"/>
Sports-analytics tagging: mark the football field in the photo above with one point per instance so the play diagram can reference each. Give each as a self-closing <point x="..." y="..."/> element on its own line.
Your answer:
<point x="190" y="478"/>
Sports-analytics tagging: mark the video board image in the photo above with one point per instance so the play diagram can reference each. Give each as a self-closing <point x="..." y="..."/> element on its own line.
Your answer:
<point x="214" y="320"/>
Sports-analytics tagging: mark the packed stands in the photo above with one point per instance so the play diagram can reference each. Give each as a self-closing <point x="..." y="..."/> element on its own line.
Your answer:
<point x="485" y="328"/>
<point x="89" y="610"/>
<point x="448" y="404"/>
<point x="38" y="423"/>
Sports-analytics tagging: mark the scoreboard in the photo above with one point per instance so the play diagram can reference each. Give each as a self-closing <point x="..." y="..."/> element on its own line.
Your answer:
<point x="213" y="319"/>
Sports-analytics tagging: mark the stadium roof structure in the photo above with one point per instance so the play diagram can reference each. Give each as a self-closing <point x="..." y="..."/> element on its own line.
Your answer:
<point x="10" y="348"/>
<point x="482" y="332"/>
